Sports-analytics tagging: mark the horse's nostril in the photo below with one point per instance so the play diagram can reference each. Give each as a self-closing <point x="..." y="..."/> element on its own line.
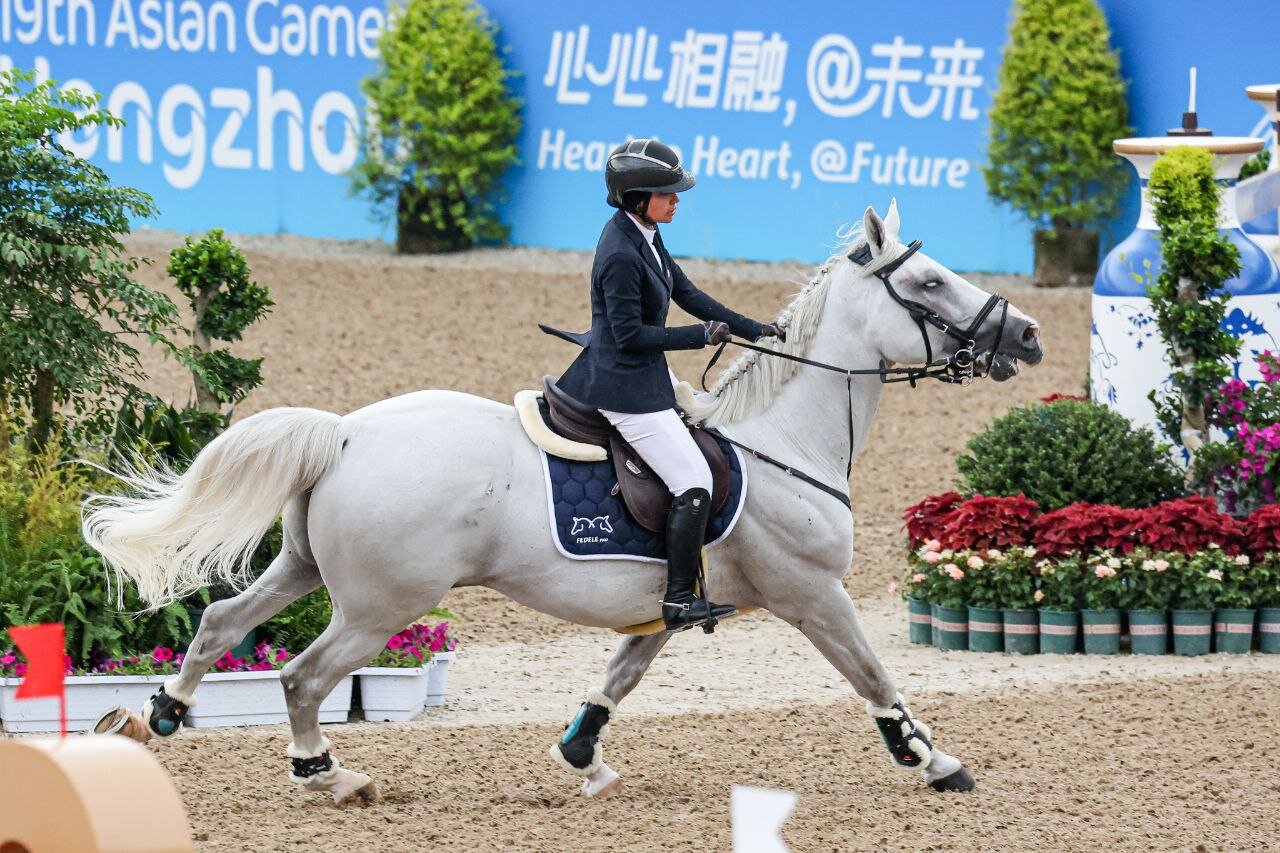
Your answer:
<point x="1031" y="334"/>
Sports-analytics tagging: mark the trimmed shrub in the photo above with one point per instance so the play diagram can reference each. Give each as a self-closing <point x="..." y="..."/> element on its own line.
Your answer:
<point x="1068" y="451"/>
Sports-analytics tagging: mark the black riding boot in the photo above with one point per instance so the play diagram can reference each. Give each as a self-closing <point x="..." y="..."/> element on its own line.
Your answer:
<point x="686" y="527"/>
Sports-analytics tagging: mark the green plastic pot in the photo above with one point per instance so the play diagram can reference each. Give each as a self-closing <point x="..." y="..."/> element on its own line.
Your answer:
<point x="1192" y="632"/>
<point x="1149" y="632"/>
<point x="1059" y="631"/>
<point x="1021" y="632"/>
<point x="952" y="627"/>
<point x="1233" y="630"/>
<point x="1101" y="632"/>
<point x="920" y="622"/>
<point x="986" y="629"/>
<point x="1269" y="630"/>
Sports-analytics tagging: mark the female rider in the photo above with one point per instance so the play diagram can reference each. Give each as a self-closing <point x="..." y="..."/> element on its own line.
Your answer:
<point x="622" y="370"/>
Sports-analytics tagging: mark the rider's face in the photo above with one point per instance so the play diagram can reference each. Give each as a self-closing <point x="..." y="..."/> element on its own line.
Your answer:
<point x="662" y="206"/>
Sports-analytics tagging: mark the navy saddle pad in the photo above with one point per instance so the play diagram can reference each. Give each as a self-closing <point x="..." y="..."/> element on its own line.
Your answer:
<point x="588" y="522"/>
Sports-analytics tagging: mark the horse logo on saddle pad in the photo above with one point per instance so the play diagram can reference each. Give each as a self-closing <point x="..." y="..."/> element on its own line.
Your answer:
<point x="607" y="503"/>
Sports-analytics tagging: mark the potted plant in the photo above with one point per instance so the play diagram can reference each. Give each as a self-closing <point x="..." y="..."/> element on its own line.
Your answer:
<point x="1199" y="586"/>
<point x="443" y="126"/>
<point x="1102" y="588"/>
<point x="394" y="684"/>
<point x="986" y="625"/>
<point x="1058" y="598"/>
<point x="916" y="589"/>
<point x="247" y="692"/>
<point x="443" y="650"/>
<point x="1150" y="591"/>
<point x="116" y="681"/>
<point x="1266" y="594"/>
<point x="1233" y="617"/>
<point x="1015" y="584"/>
<point x="951" y="594"/>
<point x="1059" y="103"/>
<point x="1262" y="539"/>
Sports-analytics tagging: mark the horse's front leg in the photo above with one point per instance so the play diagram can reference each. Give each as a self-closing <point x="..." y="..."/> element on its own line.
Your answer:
<point x="828" y="619"/>
<point x="578" y="750"/>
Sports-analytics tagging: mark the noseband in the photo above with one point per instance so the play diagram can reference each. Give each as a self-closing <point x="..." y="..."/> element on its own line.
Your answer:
<point x="959" y="367"/>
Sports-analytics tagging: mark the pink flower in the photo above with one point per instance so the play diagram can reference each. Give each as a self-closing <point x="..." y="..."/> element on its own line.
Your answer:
<point x="1039" y="596"/>
<point x="893" y="587"/>
<point x="19" y="669"/>
<point x="933" y="545"/>
<point x="416" y="652"/>
<point x="975" y="562"/>
<point x="436" y="644"/>
<point x="8" y="659"/>
<point x="395" y="643"/>
<point x="954" y="571"/>
<point x="1104" y="571"/>
<point x="919" y="577"/>
<point x="162" y="654"/>
<point x="282" y="656"/>
<point x="932" y="557"/>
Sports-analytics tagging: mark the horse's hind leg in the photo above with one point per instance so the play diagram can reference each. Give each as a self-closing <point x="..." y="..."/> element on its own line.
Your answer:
<point x="352" y="639"/>
<point x="579" y="750"/>
<point x="289" y="577"/>
<point x="830" y="622"/>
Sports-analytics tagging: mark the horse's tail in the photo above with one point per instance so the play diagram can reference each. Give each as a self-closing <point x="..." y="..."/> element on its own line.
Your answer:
<point x="178" y="533"/>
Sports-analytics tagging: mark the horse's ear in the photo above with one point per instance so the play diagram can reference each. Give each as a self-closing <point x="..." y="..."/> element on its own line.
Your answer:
<point x="891" y="222"/>
<point x="874" y="230"/>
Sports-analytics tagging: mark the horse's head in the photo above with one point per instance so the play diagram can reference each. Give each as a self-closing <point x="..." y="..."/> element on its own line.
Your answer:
<point x="924" y="310"/>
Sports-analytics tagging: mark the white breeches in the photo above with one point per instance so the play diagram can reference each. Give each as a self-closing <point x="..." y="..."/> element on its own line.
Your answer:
<point x="663" y="441"/>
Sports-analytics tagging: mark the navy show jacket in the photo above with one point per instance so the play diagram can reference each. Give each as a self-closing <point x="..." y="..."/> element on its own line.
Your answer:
<point x="623" y="365"/>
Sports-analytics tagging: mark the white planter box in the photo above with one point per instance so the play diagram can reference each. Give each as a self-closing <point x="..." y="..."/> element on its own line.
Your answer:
<point x="88" y="698"/>
<point x="256" y="699"/>
<point x="438" y="678"/>
<point x="393" y="693"/>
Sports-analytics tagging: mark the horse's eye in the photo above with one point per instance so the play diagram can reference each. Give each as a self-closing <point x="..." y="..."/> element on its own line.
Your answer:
<point x="931" y="284"/>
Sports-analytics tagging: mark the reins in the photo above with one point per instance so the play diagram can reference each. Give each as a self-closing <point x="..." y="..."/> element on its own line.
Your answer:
<point x="956" y="369"/>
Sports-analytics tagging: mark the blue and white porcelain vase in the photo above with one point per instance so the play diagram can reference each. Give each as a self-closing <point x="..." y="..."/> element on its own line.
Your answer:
<point x="1268" y="224"/>
<point x="1127" y="355"/>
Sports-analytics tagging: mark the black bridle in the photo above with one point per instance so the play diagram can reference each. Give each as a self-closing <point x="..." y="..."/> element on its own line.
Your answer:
<point x="958" y="368"/>
<point x="960" y="365"/>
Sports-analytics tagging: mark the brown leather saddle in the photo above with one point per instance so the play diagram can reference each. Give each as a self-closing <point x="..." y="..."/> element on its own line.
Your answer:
<point x="645" y="495"/>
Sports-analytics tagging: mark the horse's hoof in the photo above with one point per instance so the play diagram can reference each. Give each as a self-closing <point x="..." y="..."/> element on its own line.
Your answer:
<point x="961" y="780"/>
<point x="364" y="796"/>
<point x="602" y="784"/>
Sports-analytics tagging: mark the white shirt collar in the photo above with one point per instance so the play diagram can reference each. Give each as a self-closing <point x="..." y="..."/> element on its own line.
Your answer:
<point x="648" y="232"/>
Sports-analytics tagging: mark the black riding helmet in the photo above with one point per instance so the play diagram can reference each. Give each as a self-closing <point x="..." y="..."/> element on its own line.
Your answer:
<point x="640" y="167"/>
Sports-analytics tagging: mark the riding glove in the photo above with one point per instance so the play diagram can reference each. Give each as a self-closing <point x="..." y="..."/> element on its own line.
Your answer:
<point x="717" y="332"/>
<point x="773" y="330"/>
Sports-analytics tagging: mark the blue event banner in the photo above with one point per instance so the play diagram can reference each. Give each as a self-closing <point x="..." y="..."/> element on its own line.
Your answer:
<point x="243" y="114"/>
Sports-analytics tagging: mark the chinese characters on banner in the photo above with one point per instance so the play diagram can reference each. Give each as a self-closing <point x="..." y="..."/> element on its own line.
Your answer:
<point x="744" y="71"/>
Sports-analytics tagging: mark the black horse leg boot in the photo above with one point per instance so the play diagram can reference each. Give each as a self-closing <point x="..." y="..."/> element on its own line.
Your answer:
<point x="686" y="527"/>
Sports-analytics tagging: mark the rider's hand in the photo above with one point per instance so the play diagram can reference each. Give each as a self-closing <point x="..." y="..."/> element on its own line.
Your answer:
<point x="717" y="332"/>
<point x="772" y="330"/>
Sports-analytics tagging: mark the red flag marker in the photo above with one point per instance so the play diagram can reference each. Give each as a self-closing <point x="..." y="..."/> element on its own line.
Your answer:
<point x="44" y="648"/>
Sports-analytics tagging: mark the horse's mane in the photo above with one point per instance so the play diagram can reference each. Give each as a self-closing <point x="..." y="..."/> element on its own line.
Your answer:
<point x="753" y="380"/>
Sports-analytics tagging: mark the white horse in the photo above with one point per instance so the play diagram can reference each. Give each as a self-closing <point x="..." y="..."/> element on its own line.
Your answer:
<point x="393" y="505"/>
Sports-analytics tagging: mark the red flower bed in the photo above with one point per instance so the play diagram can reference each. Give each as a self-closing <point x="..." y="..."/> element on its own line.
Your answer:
<point x="925" y="519"/>
<point x="1188" y="525"/>
<point x="1085" y="527"/>
<point x="1053" y="398"/>
<point x="1262" y="530"/>
<point x="983" y="522"/>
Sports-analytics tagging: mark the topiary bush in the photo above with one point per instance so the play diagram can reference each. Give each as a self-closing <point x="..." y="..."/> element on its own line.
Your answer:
<point x="1059" y="104"/>
<point x="442" y="127"/>
<point x="1067" y="451"/>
